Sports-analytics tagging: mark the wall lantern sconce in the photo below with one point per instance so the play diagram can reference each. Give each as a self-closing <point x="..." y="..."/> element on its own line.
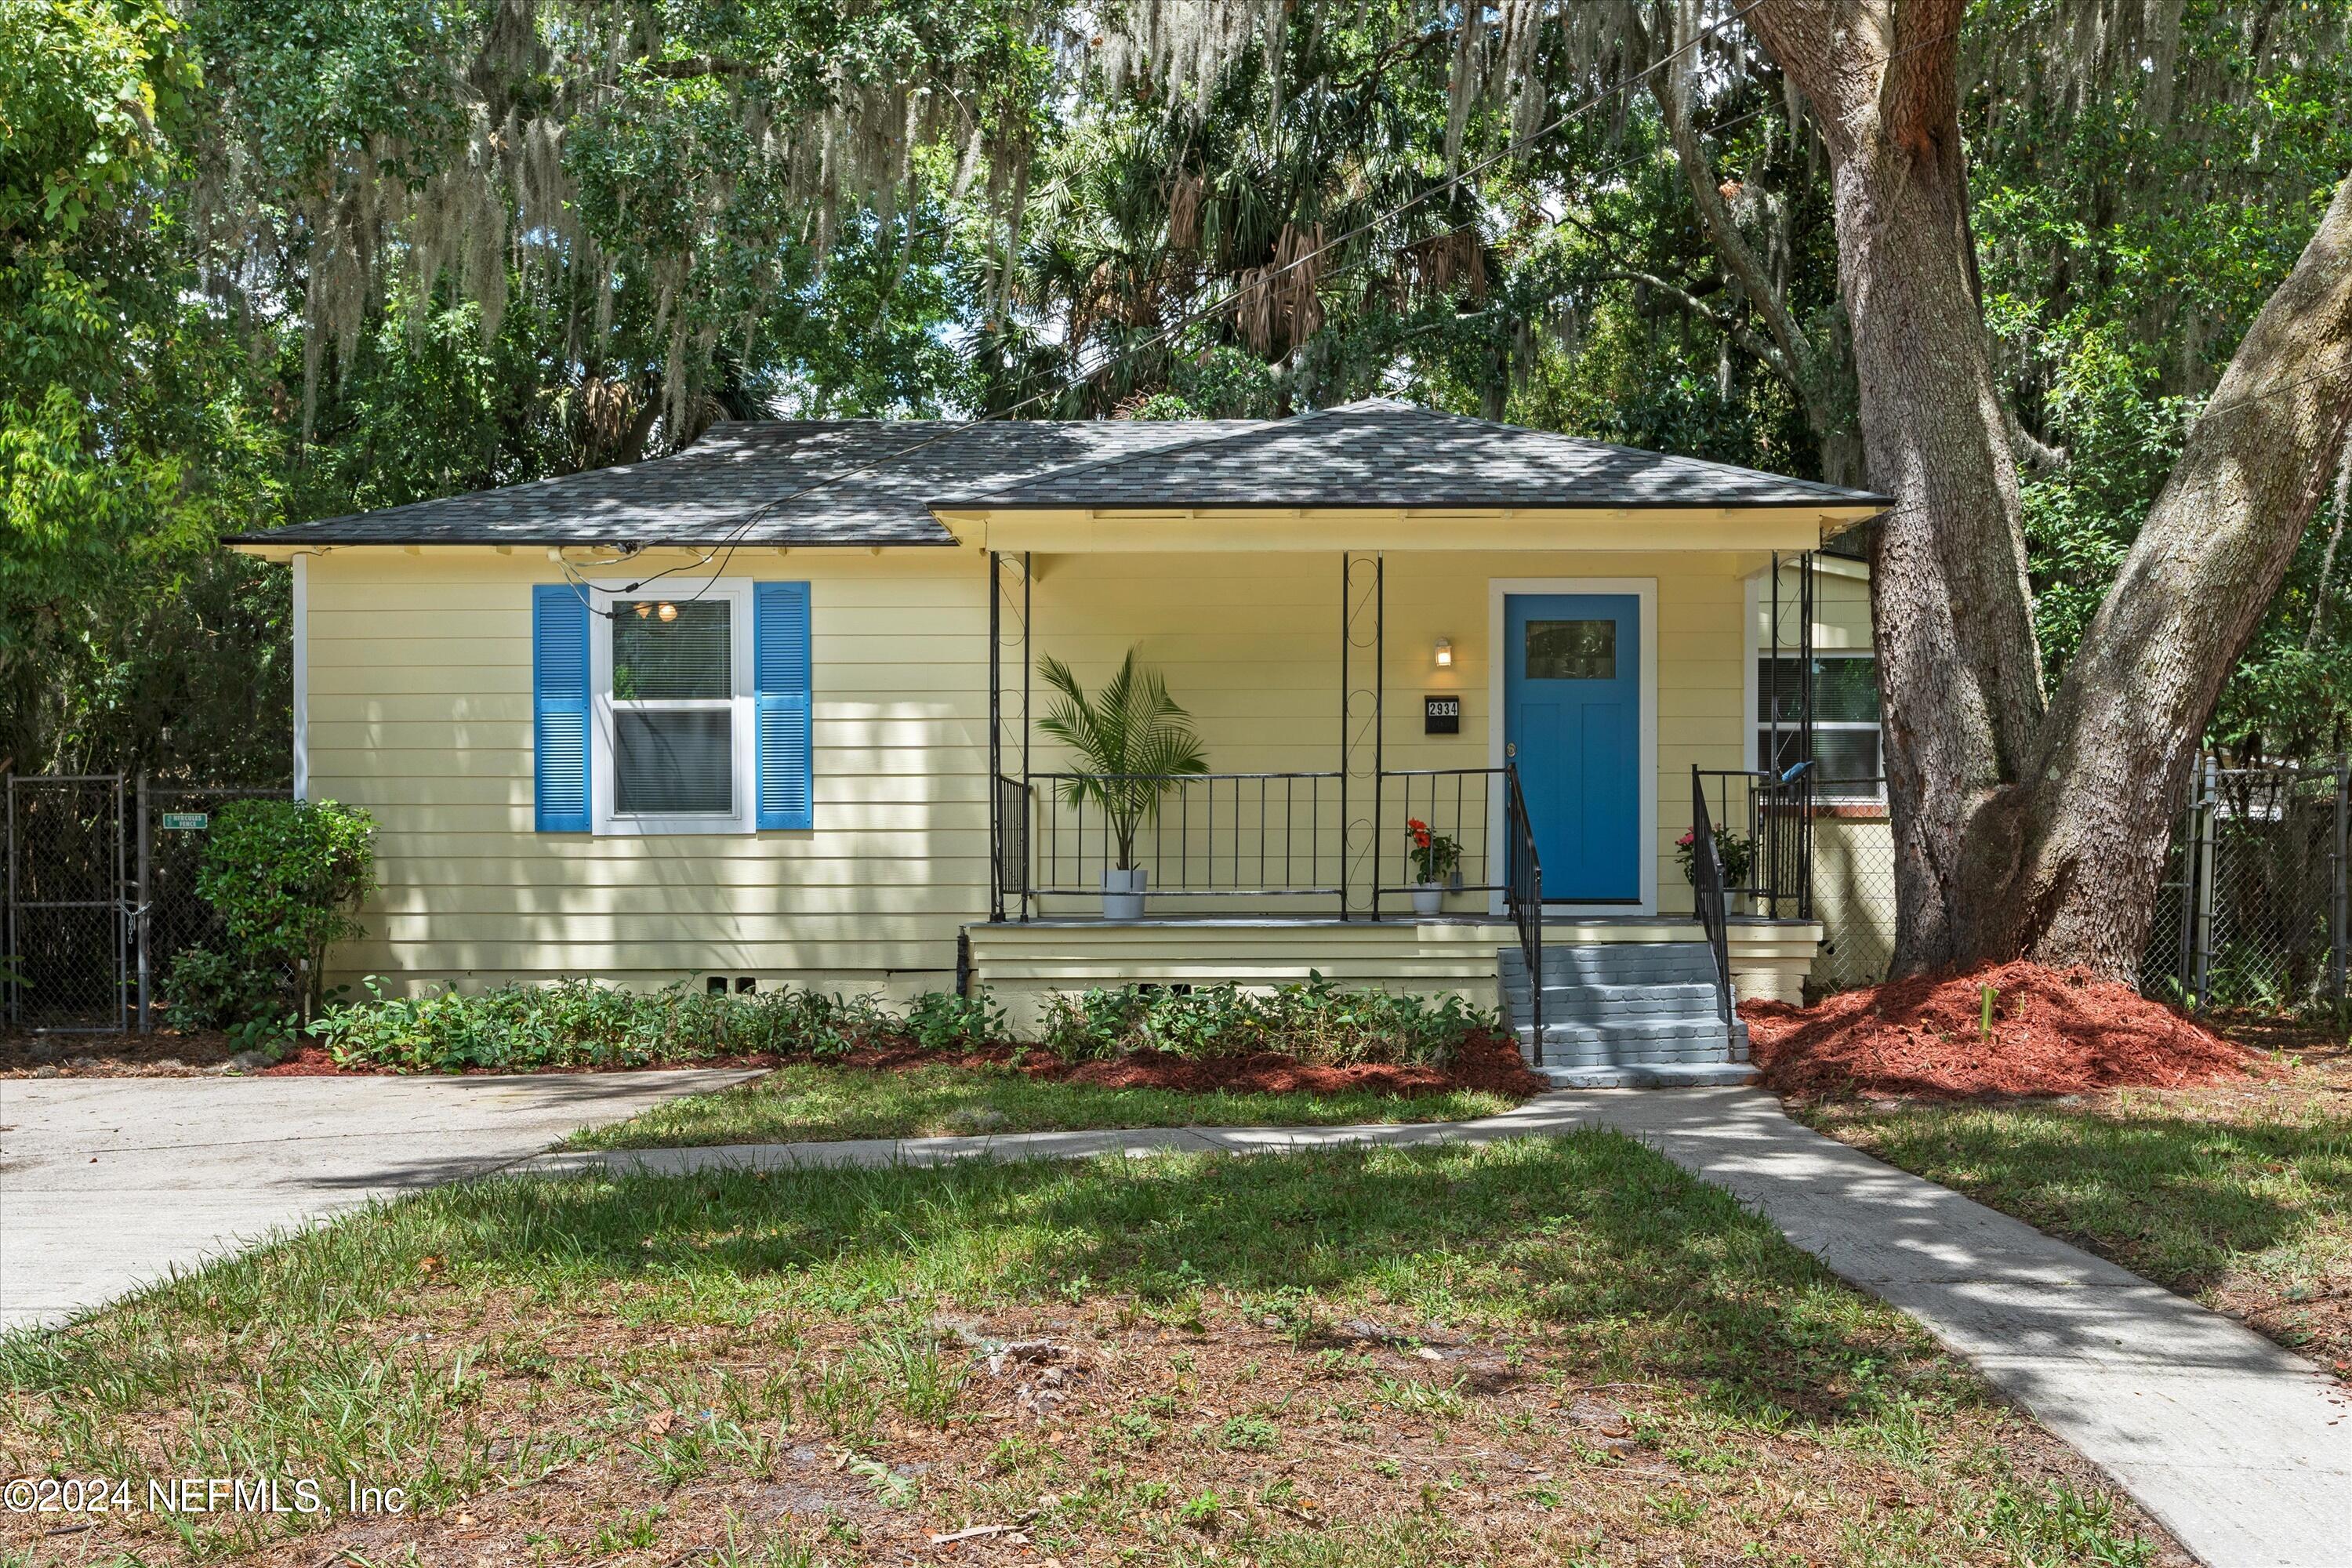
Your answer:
<point x="1444" y="653"/>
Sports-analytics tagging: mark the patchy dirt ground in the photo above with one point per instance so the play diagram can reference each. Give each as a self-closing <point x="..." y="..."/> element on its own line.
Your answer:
<point x="161" y="1054"/>
<point x="1104" y="1434"/>
<point x="2053" y="1032"/>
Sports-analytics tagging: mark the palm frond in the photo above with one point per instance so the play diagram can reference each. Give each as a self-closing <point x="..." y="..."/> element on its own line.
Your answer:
<point x="1133" y="739"/>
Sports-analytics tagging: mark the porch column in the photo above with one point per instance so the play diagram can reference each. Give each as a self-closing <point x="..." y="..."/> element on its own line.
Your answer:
<point x="1008" y="735"/>
<point x="1362" y="639"/>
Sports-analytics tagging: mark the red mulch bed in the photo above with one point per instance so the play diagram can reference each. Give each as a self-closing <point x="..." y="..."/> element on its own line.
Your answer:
<point x="1486" y="1060"/>
<point x="2054" y="1032"/>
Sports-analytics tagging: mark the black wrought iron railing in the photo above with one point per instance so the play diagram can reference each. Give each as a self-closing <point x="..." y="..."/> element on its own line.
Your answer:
<point x="1707" y="891"/>
<point x="1763" y="838"/>
<point x="1523" y="892"/>
<point x="1217" y="835"/>
<point x="1458" y="806"/>
<point x="1009" y="844"/>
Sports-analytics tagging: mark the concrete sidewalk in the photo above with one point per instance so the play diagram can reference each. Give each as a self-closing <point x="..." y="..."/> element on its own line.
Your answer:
<point x="2242" y="1450"/>
<point x="107" y="1184"/>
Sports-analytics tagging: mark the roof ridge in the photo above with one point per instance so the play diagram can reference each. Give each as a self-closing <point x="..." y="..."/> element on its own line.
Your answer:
<point x="1245" y="427"/>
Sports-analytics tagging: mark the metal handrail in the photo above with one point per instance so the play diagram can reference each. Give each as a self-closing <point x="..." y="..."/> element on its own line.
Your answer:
<point x="1265" y="834"/>
<point x="1778" y="809"/>
<point x="1707" y="892"/>
<point x="1523" y="893"/>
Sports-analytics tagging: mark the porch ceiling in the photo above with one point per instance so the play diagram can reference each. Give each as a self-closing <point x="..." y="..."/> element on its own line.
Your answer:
<point x="1095" y="529"/>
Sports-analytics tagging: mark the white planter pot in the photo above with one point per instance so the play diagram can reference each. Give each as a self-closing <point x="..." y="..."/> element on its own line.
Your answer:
<point x="1428" y="899"/>
<point x="1122" y="893"/>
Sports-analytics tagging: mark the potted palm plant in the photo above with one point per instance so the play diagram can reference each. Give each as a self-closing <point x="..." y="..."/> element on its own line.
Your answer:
<point x="1135" y="742"/>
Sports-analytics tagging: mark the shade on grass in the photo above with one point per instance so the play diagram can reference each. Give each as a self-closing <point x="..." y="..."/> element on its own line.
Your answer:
<point x="811" y="1102"/>
<point x="641" y="1335"/>
<point x="2242" y="1199"/>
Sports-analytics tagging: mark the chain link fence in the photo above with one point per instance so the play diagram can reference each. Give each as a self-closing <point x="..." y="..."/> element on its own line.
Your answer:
<point x="2251" y="913"/>
<point x="101" y="895"/>
<point x="1854" y="895"/>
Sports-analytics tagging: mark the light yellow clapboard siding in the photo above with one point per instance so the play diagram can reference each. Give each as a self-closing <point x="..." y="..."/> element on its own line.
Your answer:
<point x="420" y="708"/>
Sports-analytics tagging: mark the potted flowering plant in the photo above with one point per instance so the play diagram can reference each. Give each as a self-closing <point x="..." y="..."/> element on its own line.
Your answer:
<point x="1735" y="854"/>
<point x="1434" y="858"/>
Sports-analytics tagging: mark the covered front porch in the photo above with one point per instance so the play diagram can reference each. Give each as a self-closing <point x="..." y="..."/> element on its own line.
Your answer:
<point x="1474" y="702"/>
<point x="1342" y="697"/>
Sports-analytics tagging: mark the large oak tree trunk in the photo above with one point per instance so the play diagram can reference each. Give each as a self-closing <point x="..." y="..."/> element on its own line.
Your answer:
<point x="2018" y="832"/>
<point x="2080" y="846"/>
<point x="1959" y="669"/>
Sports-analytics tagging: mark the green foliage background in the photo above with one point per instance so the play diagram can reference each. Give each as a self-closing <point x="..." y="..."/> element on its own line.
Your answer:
<point x="265" y="261"/>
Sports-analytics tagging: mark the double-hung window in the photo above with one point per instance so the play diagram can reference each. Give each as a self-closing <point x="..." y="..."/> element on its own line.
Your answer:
<point x="1850" y="766"/>
<point x="676" y="737"/>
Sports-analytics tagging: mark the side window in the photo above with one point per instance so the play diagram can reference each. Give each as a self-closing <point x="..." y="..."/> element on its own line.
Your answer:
<point x="694" y="704"/>
<point x="1847" y="754"/>
<point x="675" y="729"/>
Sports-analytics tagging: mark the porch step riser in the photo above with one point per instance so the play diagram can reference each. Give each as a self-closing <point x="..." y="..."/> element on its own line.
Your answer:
<point x="1645" y="1012"/>
<point x="1567" y="1005"/>
<point x="1627" y="1053"/>
<point x="1688" y="964"/>
<point x="1672" y="1031"/>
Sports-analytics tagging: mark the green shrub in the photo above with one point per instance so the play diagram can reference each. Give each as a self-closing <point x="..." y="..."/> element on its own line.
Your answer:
<point x="944" y="1021"/>
<point x="208" y="990"/>
<point x="578" y="1023"/>
<point x="1315" y="1022"/>
<point x="286" y="877"/>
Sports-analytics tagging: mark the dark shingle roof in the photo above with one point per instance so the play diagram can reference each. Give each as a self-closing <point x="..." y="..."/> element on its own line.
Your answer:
<point x="804" y="482"/>
<point x="875" y="481"/>
<point x="1385" y="454"/>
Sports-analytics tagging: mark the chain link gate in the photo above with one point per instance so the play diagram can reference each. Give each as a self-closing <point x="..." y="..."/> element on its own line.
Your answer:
<point x="2254" y="911"/>
<point x="68" y="873"/>
<point x="102" y="895"/>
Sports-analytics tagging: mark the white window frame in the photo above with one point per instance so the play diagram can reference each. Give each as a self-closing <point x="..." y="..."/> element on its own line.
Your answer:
<point x="1757" y="728"/>
<point x="608" y="821"/>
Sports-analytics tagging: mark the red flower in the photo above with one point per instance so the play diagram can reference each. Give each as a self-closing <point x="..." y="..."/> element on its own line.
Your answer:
<point x="1419" y="829"/>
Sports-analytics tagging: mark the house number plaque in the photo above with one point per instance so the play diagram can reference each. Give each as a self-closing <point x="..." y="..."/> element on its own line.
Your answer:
<point x="1441" y="715"/>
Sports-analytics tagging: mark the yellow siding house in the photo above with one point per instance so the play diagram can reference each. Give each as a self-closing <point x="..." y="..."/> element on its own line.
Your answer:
<point x="767" y="711"/>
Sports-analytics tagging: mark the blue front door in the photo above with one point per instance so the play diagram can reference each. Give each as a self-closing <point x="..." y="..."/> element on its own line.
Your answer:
<point x="1571" y="701"/>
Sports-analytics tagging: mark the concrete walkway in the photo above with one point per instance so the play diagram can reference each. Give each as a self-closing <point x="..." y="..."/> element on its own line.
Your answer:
<point x="107" y="1184"/>
<point x="2243" y="1450"/>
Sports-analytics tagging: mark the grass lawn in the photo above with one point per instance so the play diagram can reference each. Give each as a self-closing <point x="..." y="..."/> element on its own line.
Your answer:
<point x="2240" y="1196"/>
<point x="1557" y="1351"/>
<point x="806" y="1100"/>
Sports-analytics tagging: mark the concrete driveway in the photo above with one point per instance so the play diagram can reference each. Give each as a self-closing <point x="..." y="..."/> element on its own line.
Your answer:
<point x="110" y="1183"/>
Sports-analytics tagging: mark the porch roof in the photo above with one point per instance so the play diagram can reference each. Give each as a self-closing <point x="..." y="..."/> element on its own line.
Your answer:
<point x="1387" y="474"/>
<point x="1385" y="454"/>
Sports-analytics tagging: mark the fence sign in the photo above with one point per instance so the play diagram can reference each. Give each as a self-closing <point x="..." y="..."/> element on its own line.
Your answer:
<point x="185" y="821"/>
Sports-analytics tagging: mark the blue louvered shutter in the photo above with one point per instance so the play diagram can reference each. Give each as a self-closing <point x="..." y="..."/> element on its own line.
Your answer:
<point x="780" y="684"/>
<point x="559" y="703"/>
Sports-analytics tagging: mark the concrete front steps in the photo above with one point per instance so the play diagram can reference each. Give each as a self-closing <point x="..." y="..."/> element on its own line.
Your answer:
<point x="1626" y="1016"/>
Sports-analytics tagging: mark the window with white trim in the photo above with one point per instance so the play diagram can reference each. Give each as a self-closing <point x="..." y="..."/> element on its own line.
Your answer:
<point x="675" y="737"/>
<point x="1847" y="750"/>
